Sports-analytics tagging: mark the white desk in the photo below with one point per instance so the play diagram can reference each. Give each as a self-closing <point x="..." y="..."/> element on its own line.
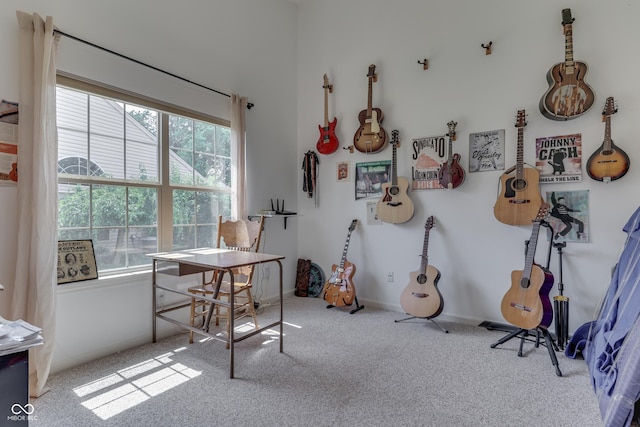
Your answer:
<point x="203" y="260"/>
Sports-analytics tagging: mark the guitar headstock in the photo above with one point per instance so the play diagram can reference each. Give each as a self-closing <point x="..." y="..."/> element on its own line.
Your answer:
<point x="327" y="85"/>
<point x="610" y="108"/>
<point x="353" y="225"/>
<point x="430" y="223"/>
<point x="521" y="119"/>
<point x="452" y="130"/>
<point x="542" y="212"/>
<point x="566" y="17"/>
<point x="372" y="73"/>
<point x="395" y="140"/>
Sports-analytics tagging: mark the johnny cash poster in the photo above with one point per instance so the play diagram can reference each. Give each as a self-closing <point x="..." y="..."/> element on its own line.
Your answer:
<point x="559" y="158"/>
<point x="428" y="154"/>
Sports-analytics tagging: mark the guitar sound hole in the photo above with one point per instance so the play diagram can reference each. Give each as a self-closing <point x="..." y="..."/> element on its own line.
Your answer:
<point x="524" y="283"/>
<point x="394" y="191"/>
<point x="519" y="184"/>
<point x="422" y="279"/>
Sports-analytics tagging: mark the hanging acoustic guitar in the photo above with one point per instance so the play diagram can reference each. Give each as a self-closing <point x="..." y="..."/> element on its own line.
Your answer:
<point x="519" y="198"/>
<point x="395" y="206"/>
<point x="568" y="96"/>
<point x="451" y="173"/>
<point x="370" y="136"/>
<point x="328" y="142"/>
<point x="609" y="162"/>
<point x="421" y="297"/>
<point x="526" y="304"/>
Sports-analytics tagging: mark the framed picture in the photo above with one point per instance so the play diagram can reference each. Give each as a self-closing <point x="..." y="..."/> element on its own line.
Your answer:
<point x="559" y="158"/>
<point x="486" y="151"/>
<point x="342" y="171"/>
<point x="76" y="261"/>
<point x="369" y="178"/>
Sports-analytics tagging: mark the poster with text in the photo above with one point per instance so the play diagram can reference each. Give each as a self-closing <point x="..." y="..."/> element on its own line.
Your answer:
<point x="486" y="151"/>
<point x="369" y="178"/>
<point x="428" y="155"/>
<point x="569" y="215"/>
<point x="76" y="261"/>
<point x="559" y="158"/>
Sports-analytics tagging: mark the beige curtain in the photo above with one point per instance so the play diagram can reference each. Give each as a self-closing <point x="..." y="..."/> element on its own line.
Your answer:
<point x="238" y="143"/>
<point x="34" y="294"/>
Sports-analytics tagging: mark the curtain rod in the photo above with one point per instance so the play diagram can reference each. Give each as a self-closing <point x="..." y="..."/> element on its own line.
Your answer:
<point x="249" y="105"/>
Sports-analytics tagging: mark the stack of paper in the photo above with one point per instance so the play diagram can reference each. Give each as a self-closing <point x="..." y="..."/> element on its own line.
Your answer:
<point x="17" y="336"/>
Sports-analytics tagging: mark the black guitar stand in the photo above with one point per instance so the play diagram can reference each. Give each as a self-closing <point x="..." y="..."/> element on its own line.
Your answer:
<point x="358" y="306"/>
<point x="524" y="333"/>
<point x="425" y="318"/>
<point x="561" y="303"/>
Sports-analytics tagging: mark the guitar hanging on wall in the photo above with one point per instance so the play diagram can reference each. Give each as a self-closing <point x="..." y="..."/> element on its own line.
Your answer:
<point x="328" y="141"/>
<point x="395" y="206"/>
<point x="519" y="198"/>
<point x="370" y="136"/>
<point x="451" y="173"/>
<point x="421" y="297"/>
<point x="568" y="96"/>
<point x="526" y="304"/>
<point x="609" y="162"/>
<point x="339" y="291"/>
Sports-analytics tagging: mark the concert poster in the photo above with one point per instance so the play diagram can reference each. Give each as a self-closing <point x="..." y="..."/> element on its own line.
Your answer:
<point x="76" y="261"/>
<point x="559" y="158"/>
<point x="486" y="151"/>
<point x="569" y="215"/>
<point x="429" y="154"/>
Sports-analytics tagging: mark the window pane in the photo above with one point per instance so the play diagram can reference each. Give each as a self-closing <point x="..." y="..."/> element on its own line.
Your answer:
<point x="108" y="205"/>
<point x="73" y="206"/>
<point x="142" y="149"/>
<point x="72" y="109"/>
<point x="108" y="152"/>
<point x="206" y="236"/>
<point x="143" y="206"/>
<point x="106" y="117"/>
<point x="184" y="237"/>
<point x="180" y="133"/>
<point x="181" y="169"/>
<point x="110" y="247"/>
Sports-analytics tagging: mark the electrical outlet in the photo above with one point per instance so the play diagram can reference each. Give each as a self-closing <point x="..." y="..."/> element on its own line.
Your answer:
<point x="390" y="277"/>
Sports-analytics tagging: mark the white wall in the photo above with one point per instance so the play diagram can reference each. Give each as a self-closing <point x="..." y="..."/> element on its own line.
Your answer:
<point x="474" y="252"/>
<point x="244" y="47"/>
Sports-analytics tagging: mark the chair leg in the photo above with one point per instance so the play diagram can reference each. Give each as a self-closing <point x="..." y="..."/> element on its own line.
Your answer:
<point x="252" y="308"/>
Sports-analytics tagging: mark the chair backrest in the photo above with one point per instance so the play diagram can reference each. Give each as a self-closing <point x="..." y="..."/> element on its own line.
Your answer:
<point x="240" y="235"/>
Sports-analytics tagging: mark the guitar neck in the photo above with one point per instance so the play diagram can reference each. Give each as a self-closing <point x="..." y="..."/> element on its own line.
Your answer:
<point x="394" y="167"/>
<point x="326" y="107"/>
<point x="531" y="251"/>
<point x="568" y="46"/>
<point x="607" y="133"/>
<point x="344" y="252"/>
<point x="424" y="259"/>
<point x="520" y="155"/>
<point x="369" y="108"/>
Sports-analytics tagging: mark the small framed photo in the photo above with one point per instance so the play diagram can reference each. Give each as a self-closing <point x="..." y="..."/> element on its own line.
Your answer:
<point x="342" y="171"/>
<point x="369" y="178"/>
<point x="76" y="261"/>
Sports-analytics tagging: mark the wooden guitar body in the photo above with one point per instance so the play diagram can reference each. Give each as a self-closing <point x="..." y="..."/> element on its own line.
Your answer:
<point x="395" y="206"/>
<point x="519" y="198"/>
<point x="370" y="136"/>
<point x="339" y="290"/>
<point x="568" y="95"/>
<point x="328" y="141"/>
<point x="421" y="297"/>
<point x="527" y="305"/>
<point x="608" y="163"/>
<point x="451" y="174"/>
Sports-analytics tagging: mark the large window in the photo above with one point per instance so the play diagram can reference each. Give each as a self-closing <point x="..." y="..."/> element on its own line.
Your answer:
<point x="136" y="179"/>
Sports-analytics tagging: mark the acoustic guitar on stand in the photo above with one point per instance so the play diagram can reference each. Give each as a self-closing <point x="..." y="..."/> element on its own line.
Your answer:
<point x="609" y="162"/>
<point x="519" y="198"/>
<point x="370" y="136"/>
<point x="526" y="304"/>
<point x="421" y="298"/>
<point x="339" y="291"/>
<point x="328" y="142"/>
<point x="568" y="96"/>
<point x="451" y="173"/>
<point x="395" y="206"/>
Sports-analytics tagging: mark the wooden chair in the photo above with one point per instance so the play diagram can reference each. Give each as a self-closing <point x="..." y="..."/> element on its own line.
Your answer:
<point x="240" y="235"/>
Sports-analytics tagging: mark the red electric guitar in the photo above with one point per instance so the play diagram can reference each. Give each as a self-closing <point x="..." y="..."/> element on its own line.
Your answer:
<point x="526" y="304"/>
<point x="451" y="173"/>
<point x="328" y="142"/>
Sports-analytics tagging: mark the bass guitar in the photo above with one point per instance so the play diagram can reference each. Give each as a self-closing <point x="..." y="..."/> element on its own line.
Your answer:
<point x="609" y="162"/>
<point x="519" y="198"/>
<point x="339" y="289"/>
<point x="568" y="96"/>
<point x="451" y="173"/>
<point x="395" y="206"/>
<point x="328" y="141"/>
<point x="421" y="298"/>
<point x="370" y="136"/>
<point x="526" y="304"/>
